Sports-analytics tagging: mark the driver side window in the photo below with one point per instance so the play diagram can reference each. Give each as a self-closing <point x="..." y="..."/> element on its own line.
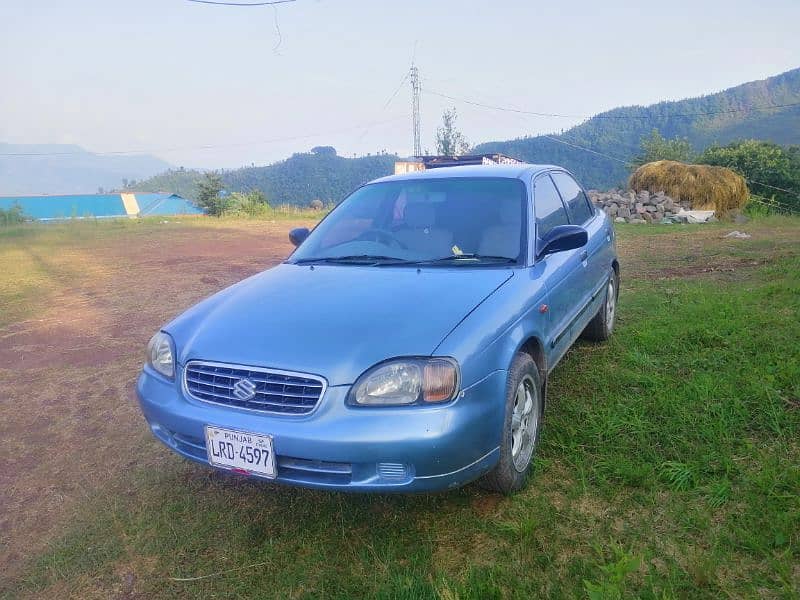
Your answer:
<point x="549" y="208"/>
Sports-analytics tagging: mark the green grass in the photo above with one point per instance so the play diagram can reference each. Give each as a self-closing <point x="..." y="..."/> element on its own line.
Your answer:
<point x="669" y="467"/>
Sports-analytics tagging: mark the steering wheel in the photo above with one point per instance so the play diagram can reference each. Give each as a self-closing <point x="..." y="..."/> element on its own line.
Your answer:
<point x="382" y="236"/>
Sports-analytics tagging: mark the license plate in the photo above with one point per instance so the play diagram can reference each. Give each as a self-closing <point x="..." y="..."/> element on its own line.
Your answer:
<point x="240" y="451"/>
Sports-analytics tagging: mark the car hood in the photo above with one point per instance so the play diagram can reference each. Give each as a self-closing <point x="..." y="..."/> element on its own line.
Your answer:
<point x="333" y="321"/>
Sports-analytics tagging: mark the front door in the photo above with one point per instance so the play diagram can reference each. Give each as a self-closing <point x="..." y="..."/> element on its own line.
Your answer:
<point x="563" y="272"/>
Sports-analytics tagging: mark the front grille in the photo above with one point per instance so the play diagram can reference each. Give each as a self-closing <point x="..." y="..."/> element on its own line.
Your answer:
<point x="271" y="391"/>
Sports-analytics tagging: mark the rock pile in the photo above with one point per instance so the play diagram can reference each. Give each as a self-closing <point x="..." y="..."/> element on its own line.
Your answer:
<point x="644" y="207"/>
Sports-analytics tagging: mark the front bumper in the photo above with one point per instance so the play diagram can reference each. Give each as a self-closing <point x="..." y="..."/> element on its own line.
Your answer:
<point x="338" y="446"/>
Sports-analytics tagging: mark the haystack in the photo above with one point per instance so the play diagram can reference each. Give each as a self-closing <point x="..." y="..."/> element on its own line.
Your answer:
<point x="706" y="187"/>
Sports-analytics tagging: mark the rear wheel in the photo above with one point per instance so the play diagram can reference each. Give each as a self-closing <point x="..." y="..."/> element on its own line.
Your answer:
<point x="601" y="326"/>
<point x="523" y="415"/>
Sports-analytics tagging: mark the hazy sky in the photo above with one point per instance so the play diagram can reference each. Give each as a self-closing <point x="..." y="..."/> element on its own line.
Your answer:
<point x="169" y="76"/>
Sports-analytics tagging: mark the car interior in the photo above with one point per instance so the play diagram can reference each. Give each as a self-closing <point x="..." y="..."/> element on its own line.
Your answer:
<point x="434" y="220"/>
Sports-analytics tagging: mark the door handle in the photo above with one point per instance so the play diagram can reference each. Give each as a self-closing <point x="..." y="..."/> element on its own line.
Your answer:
<point x="584" y="256"/>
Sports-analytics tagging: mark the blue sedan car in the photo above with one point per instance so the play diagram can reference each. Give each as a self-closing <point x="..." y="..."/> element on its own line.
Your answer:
<point x="404" y="346"/>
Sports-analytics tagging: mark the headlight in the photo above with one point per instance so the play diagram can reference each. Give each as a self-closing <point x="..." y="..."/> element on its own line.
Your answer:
<point x="407" y="381"/>
<point x="159" y="355"/>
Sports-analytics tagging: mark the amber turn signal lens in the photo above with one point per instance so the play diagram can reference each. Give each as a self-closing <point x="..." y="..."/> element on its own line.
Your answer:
<point x="439" y="381"/>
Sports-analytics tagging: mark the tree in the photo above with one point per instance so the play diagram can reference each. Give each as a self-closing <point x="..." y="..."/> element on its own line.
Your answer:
<point x="656" y="147"/>
<point x="329" y="150"/>
<point x="208" y="194"/>
<point x="449" y="140"/>
<point x="771" y="171"/>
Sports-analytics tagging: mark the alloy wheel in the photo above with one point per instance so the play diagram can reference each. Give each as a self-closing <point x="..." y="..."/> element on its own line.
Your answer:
<point x="611" y="304"/>
<point x="524" y="423"/>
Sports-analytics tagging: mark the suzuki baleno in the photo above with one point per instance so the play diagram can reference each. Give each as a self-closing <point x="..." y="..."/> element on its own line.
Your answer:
<point x="406" y="343"/>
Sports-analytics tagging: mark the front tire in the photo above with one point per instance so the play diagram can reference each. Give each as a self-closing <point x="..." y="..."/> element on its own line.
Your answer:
<point x="601" y="326"/>
<point x="523" y="416"/>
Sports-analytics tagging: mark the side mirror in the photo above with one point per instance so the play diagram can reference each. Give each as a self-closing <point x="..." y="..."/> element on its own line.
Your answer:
<point x="298" y="235"/>
<point x="562" y="237"/>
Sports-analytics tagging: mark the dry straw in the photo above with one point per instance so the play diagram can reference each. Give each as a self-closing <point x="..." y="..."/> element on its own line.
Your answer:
<point x="706" y="187"/>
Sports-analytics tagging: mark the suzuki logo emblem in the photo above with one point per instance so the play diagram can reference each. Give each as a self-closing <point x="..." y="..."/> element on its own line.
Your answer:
<point x="244" y="390"/>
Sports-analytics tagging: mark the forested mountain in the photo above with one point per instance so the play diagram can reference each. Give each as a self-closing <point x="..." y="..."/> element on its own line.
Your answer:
<point x="319" y="174"/>
<point x="67" y="169"/>
<point x="736" y="113"/>
<point x="176" y="181"/>
<point x="720" y="117"/>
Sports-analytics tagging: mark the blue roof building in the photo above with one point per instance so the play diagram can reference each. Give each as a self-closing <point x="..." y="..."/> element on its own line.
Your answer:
<point x="101" y="205"/>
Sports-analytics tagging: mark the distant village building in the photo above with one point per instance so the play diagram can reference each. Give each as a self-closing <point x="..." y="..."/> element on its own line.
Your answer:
<point x="79" y="206"/>
<point x="423" y="163"/>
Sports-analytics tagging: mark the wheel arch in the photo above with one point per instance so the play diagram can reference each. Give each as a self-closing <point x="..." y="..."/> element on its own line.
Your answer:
<point x="534" y="347"/>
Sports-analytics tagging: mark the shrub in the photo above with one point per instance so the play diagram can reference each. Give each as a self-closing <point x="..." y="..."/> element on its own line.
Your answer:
<point x="12" y="215"/>
<point x="772" y="171"/>
<point x="316" y="204"/>
<point x="706" y="187"/>
<point x="249" y="204"/>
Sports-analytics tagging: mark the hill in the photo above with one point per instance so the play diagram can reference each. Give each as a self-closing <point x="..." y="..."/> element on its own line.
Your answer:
<point x="68" y="170"/>
<point x="318" y="174"/>
<point x="721" y="117"/>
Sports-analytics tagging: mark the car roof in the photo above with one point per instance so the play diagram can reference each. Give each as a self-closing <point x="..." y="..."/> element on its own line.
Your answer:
<point x="510" y="171"/>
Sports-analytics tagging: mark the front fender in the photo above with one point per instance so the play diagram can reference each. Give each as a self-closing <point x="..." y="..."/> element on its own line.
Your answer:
<point x="489" y="337"/>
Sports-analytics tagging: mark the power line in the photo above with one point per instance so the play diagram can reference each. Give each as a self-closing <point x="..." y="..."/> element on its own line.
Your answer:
<point x="601" y="116"/>
<point x="242" y="3"/>
<point x="500" y="108"/>
<point x="385" y="106"/>
<point x="772" y="204"/>
<point x="608" y="156"/>
<point x="780" y="189"/>
<point x="397" y="91"/>
<point x="277" y="31"/>
<point x="203" y="147"/>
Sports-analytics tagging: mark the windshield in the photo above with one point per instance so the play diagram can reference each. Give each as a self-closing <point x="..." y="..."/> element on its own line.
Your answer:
<point x="458" y="221"/>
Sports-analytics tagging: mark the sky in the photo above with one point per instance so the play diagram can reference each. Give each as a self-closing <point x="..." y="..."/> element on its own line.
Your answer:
<point x="209" y="86"/>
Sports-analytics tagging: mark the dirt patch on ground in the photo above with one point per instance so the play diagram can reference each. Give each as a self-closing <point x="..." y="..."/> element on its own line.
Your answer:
<point x="701" y="251"/>
<point x="69" y="416"/>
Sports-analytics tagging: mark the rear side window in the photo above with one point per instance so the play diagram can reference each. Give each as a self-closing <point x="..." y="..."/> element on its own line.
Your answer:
<point x="548" y="206"/>
<point x="575" y="199"/>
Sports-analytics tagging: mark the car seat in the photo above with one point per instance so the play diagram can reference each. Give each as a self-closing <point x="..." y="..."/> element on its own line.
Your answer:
<point x="503" y="239"/>
<point x="420" y="235"/>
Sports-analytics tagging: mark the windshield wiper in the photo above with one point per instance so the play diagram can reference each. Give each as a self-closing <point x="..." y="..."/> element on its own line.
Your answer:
<point x="469" y="256"/>
<point x="378" y="259"/>
<point x="367" y="259"/>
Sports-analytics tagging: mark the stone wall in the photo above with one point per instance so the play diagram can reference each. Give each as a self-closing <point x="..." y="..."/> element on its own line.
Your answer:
<point x="642" y="207"/>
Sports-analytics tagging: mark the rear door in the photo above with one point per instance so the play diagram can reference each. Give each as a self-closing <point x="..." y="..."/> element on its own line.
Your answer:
<point x="562" y="271"/>
<point x="581" y="212"/>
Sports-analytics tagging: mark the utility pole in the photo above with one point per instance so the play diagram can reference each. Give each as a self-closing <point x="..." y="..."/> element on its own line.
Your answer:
<point x="415" y="92"/>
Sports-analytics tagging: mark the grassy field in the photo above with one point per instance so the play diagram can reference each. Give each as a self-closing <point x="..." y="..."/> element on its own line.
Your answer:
<point x="669" y="465"/>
